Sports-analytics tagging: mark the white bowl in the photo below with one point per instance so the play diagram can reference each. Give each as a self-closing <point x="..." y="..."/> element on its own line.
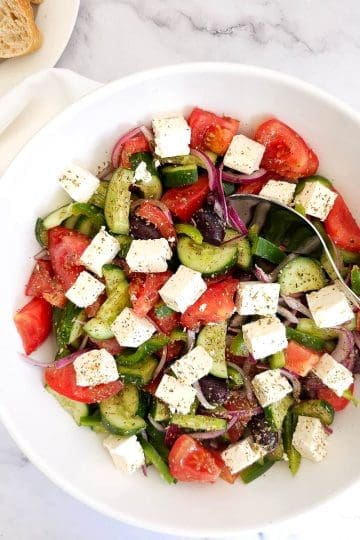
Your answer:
<point x="85" y="133"/>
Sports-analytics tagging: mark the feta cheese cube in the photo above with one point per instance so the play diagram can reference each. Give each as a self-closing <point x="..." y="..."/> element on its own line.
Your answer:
<point x="183" y="289"/>
<point x="126" y="452"/>
<point x="276" y="190"/>
<point x="172" y="136"/>
<point x="177" y="395"/>
<point x="316" y="199"/>
<point x="102" y="249"/>
<point x="270" y="386"/>
<point x="95" y="367"/>
<point x="333" y="374"/>
<point x="149" y="255"/>
<point x="329" y="307"/>
<point x="255" y="298"/>
<point x="240" y="455"/>
<point x="310" y="438"/>
<point x="79" y="183"/>
<point x="244" y="154"/>
<point x="141" y="173"/>
<point x="264" y="337"/>
<point x="131" y="330"/>
<point x="192" y="366"/>
<point x="85" y="290"/>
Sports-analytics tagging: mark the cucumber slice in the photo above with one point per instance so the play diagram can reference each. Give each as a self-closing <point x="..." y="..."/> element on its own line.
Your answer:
<point x="267" y="250"/>
<point x="244" y="259"/>
<point x="85" y="226"/>
<point x="190" y="231"/>
<point x="41" y="234"/>
<point x="235" y="378"/>
<point x="117" y="202"/>
<point x="302" y="274"/>
<point x="205" y="258"/>
<point x="308" y="326"/>
<point x="277" y="360"/>
<point x="255" y="470"/>
<point x="276" y="412"/>
<point x="198" y="422"/>
<point x="93" y="421"/>
<point x="99" y="197"/>
<point x="160" y="411"/>
<point x="75" y="408"/>
<point x="316" y="178"/>
<point x="124" y="243"/>
<point x="238" y="347"/>
<point x="70" y="222"/>
<point x="157" y="439"/>
<point x="97" y="329"/>
<point x="99" y="326"/>
<point x="317" y="408"/>
<point x="213" y="339"/>
<point x="355" y="279"/>
<point x="151" y="189"/>
<point x="140" y="374"/>
<point x="56" y="217"/>
<point x="69" y="326"/>
<point x="113" y="276"/>
<point x="308" y="340"/>
<point x="118" y="413"/>
<point x="179" y="175"/>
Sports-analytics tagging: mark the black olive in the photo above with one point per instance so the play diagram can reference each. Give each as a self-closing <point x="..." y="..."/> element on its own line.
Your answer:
<point x="215" y="390"/>
<point x="211" y="226"/>
<point x="262" y="432"/>
<point x="140" y="229"/>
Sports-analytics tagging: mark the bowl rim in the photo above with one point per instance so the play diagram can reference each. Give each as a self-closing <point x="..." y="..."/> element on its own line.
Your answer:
<point x="83" y="102"/>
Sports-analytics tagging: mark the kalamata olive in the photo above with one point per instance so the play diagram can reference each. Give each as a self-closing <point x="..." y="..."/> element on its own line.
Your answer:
<point x="262" y="432"/>
<point x="140" y="229"/>
<point x="211" y="226"/>
<point x="215" y="390"/>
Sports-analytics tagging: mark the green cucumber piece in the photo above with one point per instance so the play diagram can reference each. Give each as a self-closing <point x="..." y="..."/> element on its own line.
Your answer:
<point x="238" y="347"/>
<point x="308" y="326"/>
<point x="117" y="202"/>
<point x="277" y="454"/>
<point x="159" y="411"/>
<point x="179" y="175"/>
<point x="198" y="422"/>
<point x="327" y="266"/>
<point x="153" y="456"/>
<point x="355" y="279"/>
<point x="85" y="226"/>
<point x="55" y="218"/>
<point x="124" y="243"/>
<point x="277" y="360"/>
<point x="100" y="326"/>
<point x="236" y="380"/>
<point x="93" y="421"/>
<point x="293" y="455"/>
<point x="41" y="233"/>
<point x="316" y="178"/>
<point x="317" y="408"/>
<point x="157" y="439"/>
<point x="267" y="250"/>
<point x="350" y="257"/>
<point x="113" y="276"/>
<point x="308" y="340"/>
<point x="229" y="189"/>
<point x="70" y="222"/>
<point x="141" y="373"/>
<point x="301" y="274"/>
<point x="69" y="326"/>
<point x="118" y="413"/>
<point x="151" y="189"/>
<point x="255" y="470"/>
<point x="131" y="357"/>
<point x="213" y="339"/>
<point x="75" y="408"/>
<point x="190" y="231"/>
<point x="99" y="197"/>
<point x="205" y="258"/>
<point x="244" y="259"/>
<point x="276" y="412"/>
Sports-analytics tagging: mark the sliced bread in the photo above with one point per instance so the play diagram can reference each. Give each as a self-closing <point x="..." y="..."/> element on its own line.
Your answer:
<point x="18" y="32"/>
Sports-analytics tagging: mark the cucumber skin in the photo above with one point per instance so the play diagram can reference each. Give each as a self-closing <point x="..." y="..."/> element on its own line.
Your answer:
<point x="302" y="274"/>
<point x="213" y="339"/>
<point x="244" y="259"/>
<point x="316" y="408"/>
<point x="75" y="408"/>
<point x="118" y="413"/>
<point x="198" y="422"/>
<point x="205" y="258"/>
<point x="117" y="202"/>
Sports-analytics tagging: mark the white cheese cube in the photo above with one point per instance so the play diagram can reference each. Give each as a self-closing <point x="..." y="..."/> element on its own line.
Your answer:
<point x="172" y="136"/>
<point x="149" y="255"/>
<point x="310" y="438"/>
<point x="240" y="455"/>
<point x="255" y="298"/>
<point x="333" y="374"/>
<point x="316" y="199"/>
<point x="85" y="290"/>
<point x="329" y="307"/>
<point x="279" y="191"/>
<point x="101" y="250"/>
<point x="95" y="367"/>
<point x="178" y="396"/>
<point x="244" y="154"/>
<point x="192" y="366"/>
<point x="79" y="183"/>
<point x="131" y="330"/>
<point x="270" y="386"/>
<point x="126" y="452"/>
<point x="183" y="289"/>
<point x="265" y="337"/>
<point x="141" y="173"/>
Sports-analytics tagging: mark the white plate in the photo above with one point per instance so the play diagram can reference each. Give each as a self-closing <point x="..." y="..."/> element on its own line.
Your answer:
<point x="85" y="132"/>
<point x="56" y="20"/>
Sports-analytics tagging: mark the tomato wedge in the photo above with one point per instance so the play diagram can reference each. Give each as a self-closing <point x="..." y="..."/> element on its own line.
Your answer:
<point x="43" y="284"/>
<point x="66" y="247"/>
<point x="211" y="132"/>
<point x="111" y="345"/>
<point x="215" y="305"/>
<point x="164" y="318"/>
<point x="254" y="187"/>
<point x="144" y="291"/>
<point x="92" y="310"/>
<point x="300" y="359"/>
<point x="239" y="402"/>
<point x="189" y="461"/>
<point x="150" y="212"/>
<point x="138" y="143"/>
<point x="184" y="201"/>
<point x="342" y="227"/>
<point x="63" y="381"/>
<point x="34" y="323"/>
<point x="339" y="403"/>
<point x="286" y="153"/>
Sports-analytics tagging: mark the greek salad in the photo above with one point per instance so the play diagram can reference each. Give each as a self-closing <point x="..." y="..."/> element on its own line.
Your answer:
<point x="189" y="339"/>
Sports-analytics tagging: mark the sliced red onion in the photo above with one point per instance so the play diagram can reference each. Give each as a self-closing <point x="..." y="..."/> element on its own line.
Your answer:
<point x="209" y="166"/>
<point x="84" y="342"/>
<point x="62" y="362"/>
<point x="287" y="314"/>
<point x="190" y="336"/>
<point x="261" y="275"/>
<point x="235" y="221"/>
<point x="148" y="134"/>
<point x="144" y="470"/>
<point x="293" y="379"/>
<point x="35" y="362"/>
<point x="203" y="435"/>
<point x="296" y="304"/>
<point x="235" y="178"/>
<point x="108" y="169"/>
<point x="172" y="433"/>
<point x="221" y="194"/>
<point x="156" y="424"/>
<point x="345" y="345"/>
<point x="43" y="254"/>
<point x="328" y="430"/>
<point x="234" y="239"/>
<point x="154" y="202"/>
<point x="161" y="364"/>
<point x="115" y="155"/>
<point x="202" y="399"/>
<point x="247" y="383"/>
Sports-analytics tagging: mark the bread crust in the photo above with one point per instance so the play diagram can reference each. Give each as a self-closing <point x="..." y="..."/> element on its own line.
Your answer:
<point x="28" y="38"/>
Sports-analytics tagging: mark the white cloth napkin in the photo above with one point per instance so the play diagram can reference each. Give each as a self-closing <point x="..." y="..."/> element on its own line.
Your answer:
<point x="26" y="108"/>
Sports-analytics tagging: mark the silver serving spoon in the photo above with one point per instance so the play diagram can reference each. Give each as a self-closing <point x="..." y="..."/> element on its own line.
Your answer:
<point x="254" y="208"/>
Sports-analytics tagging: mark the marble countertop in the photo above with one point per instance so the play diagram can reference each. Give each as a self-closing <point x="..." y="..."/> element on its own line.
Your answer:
<point x="316" y="40"/>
